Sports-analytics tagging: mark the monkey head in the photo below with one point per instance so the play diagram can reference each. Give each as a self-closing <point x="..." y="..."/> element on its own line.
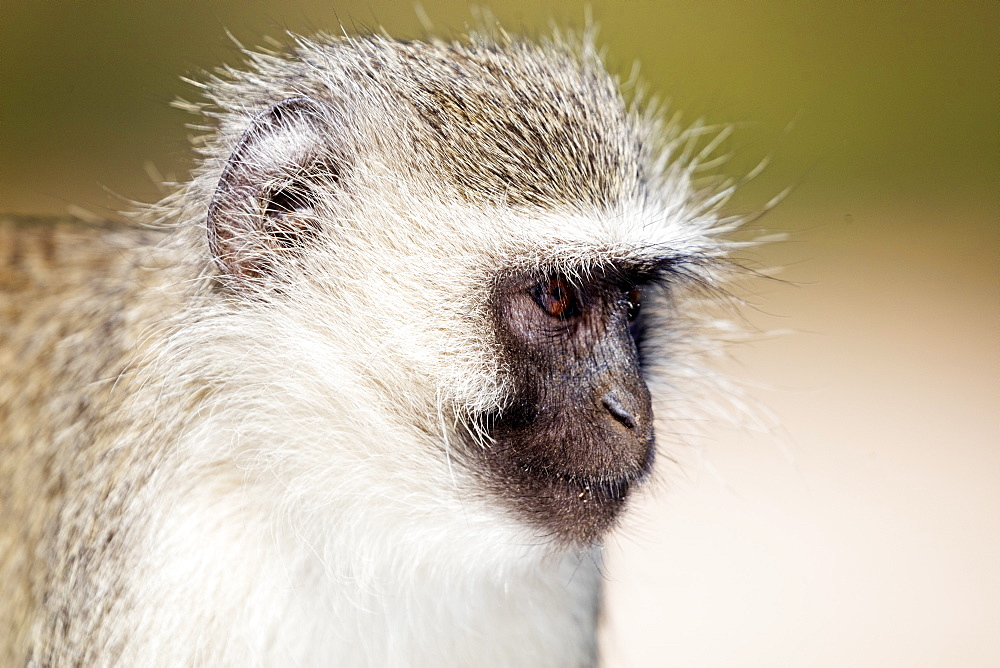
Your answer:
<point x="486" y="241"/>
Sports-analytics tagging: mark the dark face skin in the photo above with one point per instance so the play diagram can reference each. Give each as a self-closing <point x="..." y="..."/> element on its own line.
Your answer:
<point x="579" y="430"/>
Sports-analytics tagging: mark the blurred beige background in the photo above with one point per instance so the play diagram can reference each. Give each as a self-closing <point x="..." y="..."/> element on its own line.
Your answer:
<point x="861" y="524"/>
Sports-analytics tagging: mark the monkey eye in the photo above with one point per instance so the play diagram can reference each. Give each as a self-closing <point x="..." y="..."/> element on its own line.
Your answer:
<point x="556" y="297"/>
<point x="634" y="298"/>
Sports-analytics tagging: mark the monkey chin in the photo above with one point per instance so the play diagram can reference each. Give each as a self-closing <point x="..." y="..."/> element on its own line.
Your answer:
<point x="570" y="509"/>
<point x="579" y="510"/>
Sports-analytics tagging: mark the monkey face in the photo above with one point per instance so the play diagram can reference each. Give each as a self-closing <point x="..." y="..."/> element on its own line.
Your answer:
<point x="577" y="432"/>
<point x="381" y="216"/>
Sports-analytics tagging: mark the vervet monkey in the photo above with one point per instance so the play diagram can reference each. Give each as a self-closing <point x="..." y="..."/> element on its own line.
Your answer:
<point x="371" y="388"/>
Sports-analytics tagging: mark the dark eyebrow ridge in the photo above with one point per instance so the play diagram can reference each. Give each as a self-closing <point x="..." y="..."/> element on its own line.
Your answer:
<point x="664" y="270"/>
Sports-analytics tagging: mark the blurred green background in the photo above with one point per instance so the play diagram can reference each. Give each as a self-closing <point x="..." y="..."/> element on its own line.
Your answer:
<point x="863" y="527"/>
<point x="878" y="99"/>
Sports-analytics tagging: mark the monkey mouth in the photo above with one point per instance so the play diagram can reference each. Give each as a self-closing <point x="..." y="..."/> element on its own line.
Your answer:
<point x="601" y="486"/>
<point x="590" y="488"/>
<point x="571" y="508"/>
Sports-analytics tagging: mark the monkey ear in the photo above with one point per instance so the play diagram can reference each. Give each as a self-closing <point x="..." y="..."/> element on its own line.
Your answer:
<point x="263" y="210"/>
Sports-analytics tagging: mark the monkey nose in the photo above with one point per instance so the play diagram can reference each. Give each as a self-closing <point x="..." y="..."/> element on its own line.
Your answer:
<point x="613" y="402"/>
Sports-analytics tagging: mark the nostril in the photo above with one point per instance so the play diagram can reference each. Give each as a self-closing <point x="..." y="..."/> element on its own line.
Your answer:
<point x="618" y="411"/>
